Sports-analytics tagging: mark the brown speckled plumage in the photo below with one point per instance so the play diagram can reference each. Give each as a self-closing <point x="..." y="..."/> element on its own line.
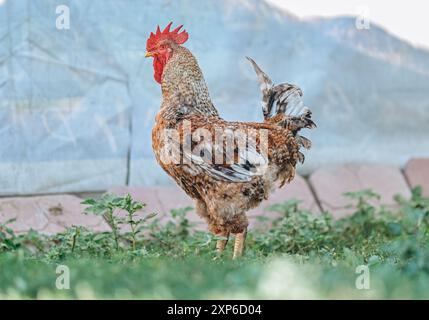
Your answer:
<point x="222" y="193"/>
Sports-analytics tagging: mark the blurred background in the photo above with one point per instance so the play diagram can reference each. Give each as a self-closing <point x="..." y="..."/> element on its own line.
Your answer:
<point x="78" y="99"/>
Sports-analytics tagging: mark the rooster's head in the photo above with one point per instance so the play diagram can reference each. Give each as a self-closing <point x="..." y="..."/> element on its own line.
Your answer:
<point x="161" y="45"/>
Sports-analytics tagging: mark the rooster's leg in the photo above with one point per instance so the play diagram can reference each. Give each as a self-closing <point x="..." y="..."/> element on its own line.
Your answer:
<point x="221" y="244"/>
<point x="240" y="238"/>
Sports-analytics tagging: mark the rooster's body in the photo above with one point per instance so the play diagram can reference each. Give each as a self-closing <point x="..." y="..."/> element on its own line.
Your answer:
<point x="225" y="190"/>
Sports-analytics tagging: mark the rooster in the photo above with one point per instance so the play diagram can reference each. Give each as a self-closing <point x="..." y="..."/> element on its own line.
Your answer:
<point x="229" y="177"/>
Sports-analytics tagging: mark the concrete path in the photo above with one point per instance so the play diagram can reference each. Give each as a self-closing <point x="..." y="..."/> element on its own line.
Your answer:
<point x="323" y="190"/>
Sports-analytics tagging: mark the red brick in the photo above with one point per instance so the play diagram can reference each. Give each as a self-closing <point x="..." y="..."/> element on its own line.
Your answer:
<point x="173" y="198"/>
<point x="52" y="228"/>
<point x="417" y="173"/>
<point x="67" y="210"/>
<point x="48" y="214"/>
<point x="146" y="195"/>
<point x="26" y="211"/>
<point x="329" y="185"/>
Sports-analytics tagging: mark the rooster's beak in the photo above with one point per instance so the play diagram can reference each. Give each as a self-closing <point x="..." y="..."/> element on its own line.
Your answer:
<point x="148" y="54"/>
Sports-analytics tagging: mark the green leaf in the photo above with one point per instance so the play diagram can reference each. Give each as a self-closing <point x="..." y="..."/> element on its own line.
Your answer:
<point x="89" y="201"/>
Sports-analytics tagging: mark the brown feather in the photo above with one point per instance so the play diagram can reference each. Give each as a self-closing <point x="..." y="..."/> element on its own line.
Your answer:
<point x="223" y="192"/>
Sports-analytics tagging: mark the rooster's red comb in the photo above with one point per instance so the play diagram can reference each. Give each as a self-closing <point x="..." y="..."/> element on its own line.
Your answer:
<point x="175" y="35"/>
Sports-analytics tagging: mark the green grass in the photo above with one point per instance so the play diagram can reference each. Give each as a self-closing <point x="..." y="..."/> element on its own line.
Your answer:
<point x="298" y="255"/>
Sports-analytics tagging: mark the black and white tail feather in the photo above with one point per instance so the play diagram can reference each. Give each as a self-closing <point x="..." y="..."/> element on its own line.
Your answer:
<point x="284" y="99"/>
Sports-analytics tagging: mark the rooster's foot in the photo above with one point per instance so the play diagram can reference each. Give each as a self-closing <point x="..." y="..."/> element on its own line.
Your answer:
<point x="240" y="238"/>
<point x="221" y="244"/>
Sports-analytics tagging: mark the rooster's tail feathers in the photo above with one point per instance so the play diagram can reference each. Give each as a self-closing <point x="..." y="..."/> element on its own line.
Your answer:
<point x="283" y="103"/>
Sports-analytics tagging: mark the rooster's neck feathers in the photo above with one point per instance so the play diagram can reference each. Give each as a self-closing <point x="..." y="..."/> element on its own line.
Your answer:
<point x="183" y="85"/>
